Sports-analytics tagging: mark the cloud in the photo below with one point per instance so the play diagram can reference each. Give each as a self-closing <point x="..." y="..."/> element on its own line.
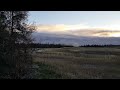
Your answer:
<point x="61" y="27"/>
<point x="81" y="30"/>
<point x="106" y="33"/>
<point x="76" y="41"/>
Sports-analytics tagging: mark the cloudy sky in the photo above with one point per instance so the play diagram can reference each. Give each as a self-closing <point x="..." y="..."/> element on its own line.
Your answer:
<point x="77" y="23"/>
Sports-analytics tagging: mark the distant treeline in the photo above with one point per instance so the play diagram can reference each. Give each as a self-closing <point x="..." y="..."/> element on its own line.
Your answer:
<point x="39" y="45"/>
<point x="100" y="46"/>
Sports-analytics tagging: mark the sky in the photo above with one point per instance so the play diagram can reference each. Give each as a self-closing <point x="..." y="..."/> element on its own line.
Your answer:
<point x="79" y="23"/>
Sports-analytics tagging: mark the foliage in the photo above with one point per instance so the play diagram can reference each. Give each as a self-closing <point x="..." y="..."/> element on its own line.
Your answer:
<point x="14" y="29"/>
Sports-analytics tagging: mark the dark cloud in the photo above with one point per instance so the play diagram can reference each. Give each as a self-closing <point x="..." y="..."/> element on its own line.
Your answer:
<point x="74" y="40"/>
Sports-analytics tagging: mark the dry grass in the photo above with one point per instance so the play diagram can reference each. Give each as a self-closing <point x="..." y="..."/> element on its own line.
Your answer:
<point x="81" y="62"/>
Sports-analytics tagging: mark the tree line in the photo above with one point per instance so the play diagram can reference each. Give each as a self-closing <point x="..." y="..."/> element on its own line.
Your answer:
<point x="100" y="45"/>
<point x="48" y="45"/>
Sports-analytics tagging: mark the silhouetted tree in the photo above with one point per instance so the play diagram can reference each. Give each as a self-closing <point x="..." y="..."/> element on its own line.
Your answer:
<point x="14" y="31"/>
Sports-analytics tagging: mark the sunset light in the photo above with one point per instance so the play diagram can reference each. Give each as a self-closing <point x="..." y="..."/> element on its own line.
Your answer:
<point x="115" y="34"/>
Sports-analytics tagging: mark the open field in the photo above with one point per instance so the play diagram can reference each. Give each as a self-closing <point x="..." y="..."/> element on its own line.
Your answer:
<point x="77" y="63"/>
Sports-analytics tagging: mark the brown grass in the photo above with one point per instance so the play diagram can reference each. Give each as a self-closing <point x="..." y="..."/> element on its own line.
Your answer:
<point x="79" y="63"/>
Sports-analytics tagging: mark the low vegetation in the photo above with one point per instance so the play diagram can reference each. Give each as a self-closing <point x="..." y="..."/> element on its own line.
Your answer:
<point x="77" y="63"/>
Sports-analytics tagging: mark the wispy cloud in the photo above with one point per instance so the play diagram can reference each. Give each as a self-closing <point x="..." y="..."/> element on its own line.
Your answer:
<point x="81" y="30"/>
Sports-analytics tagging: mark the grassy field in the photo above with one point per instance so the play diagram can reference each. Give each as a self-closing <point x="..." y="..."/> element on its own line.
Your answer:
<point x="76" y="63"/>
